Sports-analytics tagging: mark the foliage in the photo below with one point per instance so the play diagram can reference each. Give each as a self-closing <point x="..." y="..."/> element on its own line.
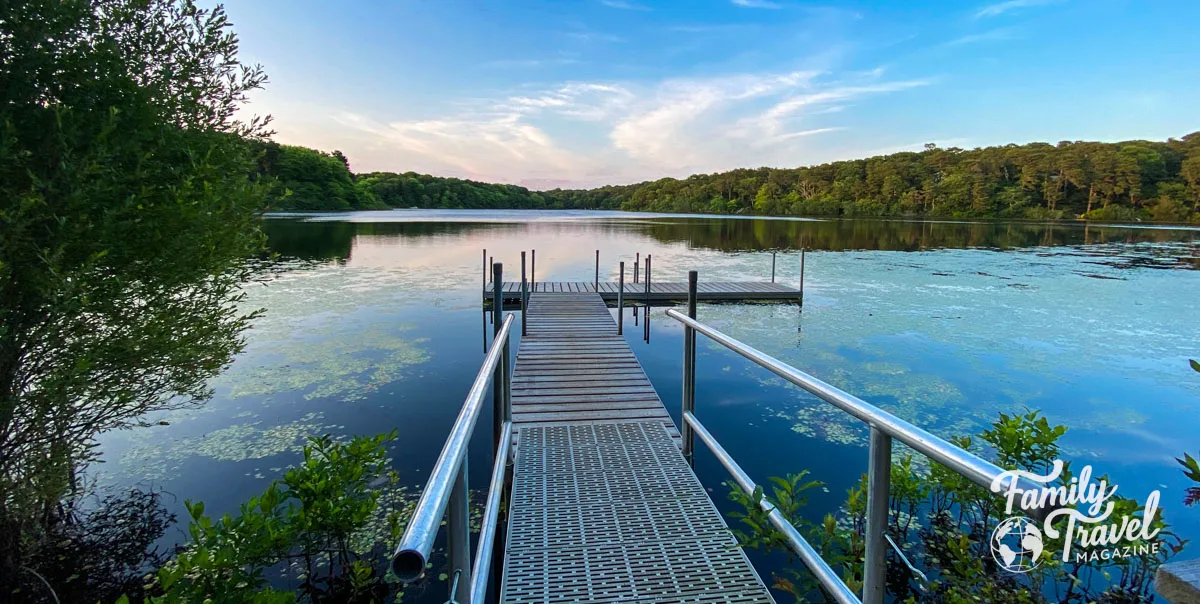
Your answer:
<point x="1191" y="469"/>
<point x="953" y="520"/>
<point x="306" y="179"/>
<point x="311" y="516"/>
<point x="411" y="190"/>
<point x="125" y="214"/>
<point x="1127" y="181"/>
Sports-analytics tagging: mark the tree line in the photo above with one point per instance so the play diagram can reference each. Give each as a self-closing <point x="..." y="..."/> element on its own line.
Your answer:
<point x="1125" y="181"/>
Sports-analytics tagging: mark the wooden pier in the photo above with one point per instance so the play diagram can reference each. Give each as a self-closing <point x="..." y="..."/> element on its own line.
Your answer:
<point x="604" y="507"/>
<point x="665" y="291"/>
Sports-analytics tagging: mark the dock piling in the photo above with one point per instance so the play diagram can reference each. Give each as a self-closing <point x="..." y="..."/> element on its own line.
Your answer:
<point x="533" y="270"/>
<point x="597" y="282"/>
<point x="647" y="276"/>
<point x="621" y="301"/>
<point x="485" y="265"/>
<point x="802" y="276"/>
<point x="689" y="373"/>
<point x="772" y="267"/>
<point x="646" y="319"/>
<point x="637" y="261"/>
<point x="524" y="296"/>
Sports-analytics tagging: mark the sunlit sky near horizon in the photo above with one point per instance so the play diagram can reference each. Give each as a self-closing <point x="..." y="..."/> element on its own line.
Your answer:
<point x="591" y="92"/>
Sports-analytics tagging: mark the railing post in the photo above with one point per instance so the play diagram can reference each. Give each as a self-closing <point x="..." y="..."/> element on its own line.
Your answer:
<point x="879" y="475"/>
<point x="524" y="296"/>
<point x="689" y="374"/>
<point x="637" y="261"/>
<point x="458" y="540"/>
<point x="597" y="285"/>
<point x="621" y="301"/>
<point x="772" y="267"/>
<point x="500" y="377"/>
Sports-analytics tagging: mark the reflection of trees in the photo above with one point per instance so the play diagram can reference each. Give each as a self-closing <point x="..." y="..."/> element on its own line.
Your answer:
<point x="99" y="551"/>
<point x="894" y="235"/>
<point x="310" y="240"/>
<point x="334" y="240"/>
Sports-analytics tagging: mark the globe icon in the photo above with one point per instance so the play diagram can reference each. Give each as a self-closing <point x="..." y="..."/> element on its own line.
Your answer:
<point x="1017" y="545"/>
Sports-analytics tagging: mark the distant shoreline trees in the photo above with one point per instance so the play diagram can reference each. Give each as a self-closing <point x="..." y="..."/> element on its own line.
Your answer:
<point x="1126" y="181"/>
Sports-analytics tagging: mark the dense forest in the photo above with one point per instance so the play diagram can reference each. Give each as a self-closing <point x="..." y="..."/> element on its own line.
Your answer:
<point x="1133" y="180"/>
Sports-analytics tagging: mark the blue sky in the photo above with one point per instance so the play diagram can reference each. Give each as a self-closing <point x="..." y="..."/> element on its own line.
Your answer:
<point x="592" y="92"/>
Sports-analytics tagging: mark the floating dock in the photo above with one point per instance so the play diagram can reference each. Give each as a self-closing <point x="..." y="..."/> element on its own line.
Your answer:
<point x="604" y="506"/>
<point x="666" y="291"/>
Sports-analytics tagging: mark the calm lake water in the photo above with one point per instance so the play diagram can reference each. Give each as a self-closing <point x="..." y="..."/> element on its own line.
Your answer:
<point x="373" y="321"/>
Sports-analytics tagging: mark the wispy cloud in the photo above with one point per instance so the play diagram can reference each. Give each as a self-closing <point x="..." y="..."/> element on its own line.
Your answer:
<point x="530" y="63"/>
<point x="592" y="36"/>
<point x="623" y="5"/>
<point x="999" y="8"/>
<point x="634" y="131"/>
<point x="757" y="4"/>
<point x="995" y="35"/>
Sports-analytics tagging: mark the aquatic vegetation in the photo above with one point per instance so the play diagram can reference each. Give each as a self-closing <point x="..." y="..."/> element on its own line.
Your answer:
<point x="941" y="339"/>
<point x="328" y="332"/>
<point x="161" y="459"/>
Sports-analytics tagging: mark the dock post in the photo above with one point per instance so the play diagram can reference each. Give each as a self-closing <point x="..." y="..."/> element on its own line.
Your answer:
<point x="772" y="267"/>
<point x="646" y="319"/>
<point x="485" y="265"/>
<point x="597" y="271"/>
<point x="621" y="301"/>
<point x="879" y="468"/>
<point x="647" y="285"/>
<point x="689" y="375"/>
<point x="802" y="276"/>
<point x="637" y="261"/>
<point x="524" y="295"/>
<point x="533" y="270"/>
<point x="501" y="376"/>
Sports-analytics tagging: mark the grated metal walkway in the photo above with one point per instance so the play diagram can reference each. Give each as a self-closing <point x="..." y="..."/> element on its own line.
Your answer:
<point x="604" y="508"/>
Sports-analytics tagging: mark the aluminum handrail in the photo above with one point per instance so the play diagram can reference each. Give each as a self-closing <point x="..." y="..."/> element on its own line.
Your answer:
<point x="409" y="559"/>
<point x="978" y="470"/>
<point x="883" y="428"/>
<point x="826" y="576"/>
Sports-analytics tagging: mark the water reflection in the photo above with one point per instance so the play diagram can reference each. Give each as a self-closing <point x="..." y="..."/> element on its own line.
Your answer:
<point x="338" y="240"/>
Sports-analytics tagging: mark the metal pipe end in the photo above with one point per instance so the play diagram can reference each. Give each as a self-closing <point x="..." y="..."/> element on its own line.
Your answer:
<point x="408" y="565"/>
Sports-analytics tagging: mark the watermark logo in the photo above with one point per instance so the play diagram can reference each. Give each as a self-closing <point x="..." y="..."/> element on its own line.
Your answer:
<point x="1017" y="545"/>
<point x="1090" y="534"/>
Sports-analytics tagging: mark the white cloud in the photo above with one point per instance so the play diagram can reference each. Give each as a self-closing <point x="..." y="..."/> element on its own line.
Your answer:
<point x="621" y="4"/>
<point x="995" y="35"/>
<point x="593" y="133"/>
<point x="999" y="8"/>
<point x="757" y="4"/>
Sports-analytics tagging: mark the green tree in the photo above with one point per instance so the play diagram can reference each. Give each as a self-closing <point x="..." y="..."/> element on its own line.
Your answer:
<point x="126" y="213"/>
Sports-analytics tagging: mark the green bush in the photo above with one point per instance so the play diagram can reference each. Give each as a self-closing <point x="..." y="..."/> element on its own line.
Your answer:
<point x="1113" y="213"/>
<point x="310" y="516"/>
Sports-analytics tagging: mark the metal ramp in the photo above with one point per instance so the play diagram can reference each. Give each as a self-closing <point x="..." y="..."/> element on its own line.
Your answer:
<point x="604" y="507"/>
